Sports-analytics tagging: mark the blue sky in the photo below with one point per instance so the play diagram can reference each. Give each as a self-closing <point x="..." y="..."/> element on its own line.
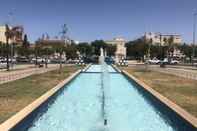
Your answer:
<point x="101" y="19"/>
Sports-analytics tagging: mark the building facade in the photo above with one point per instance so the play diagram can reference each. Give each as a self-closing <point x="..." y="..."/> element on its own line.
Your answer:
<point x="18" y="34"/>
<point x="51" y="43"/>
<point x="159" y="38"/>
<point x="162" y="39"/>
<point x="2" y="34"/>
<point x="120" y="47"/>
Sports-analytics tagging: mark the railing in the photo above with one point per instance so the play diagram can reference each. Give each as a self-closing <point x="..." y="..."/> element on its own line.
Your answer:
<point x="22" y="74"/>
<point x="180" y="73"/>
<point x="185" y="73"/>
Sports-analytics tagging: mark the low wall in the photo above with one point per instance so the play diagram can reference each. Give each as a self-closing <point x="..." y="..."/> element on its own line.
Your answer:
<point x="86" y="68"/>
<point x="116" y="68"/>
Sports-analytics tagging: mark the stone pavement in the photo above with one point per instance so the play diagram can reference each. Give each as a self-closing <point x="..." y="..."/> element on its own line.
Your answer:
<point x="22" y="73"/>
<point x="186" y="73"/>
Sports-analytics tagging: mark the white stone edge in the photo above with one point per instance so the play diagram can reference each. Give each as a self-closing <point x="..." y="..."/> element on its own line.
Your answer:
<point x="86" y="68"/>
<point x="116" y="68"/>
<point x="18" y="117"/>
<point x="180" y="111"/>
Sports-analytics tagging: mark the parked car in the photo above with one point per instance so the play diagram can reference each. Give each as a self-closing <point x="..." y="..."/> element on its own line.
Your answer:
<point x="3" y="65"/>
<point x="154" y="61"/>
<point x="57" y="60"/>
<point x="22" y="59"/>
<point x="13" y="60"/>
<point x="40" y="60"/>
<point x="109" y="60"/>
<point x="2" y="59"/>
<point x="165" y="61"/>
<point x="33" y="60"/>
<point x="70" y="61"/>
<point x="174" y="62"/>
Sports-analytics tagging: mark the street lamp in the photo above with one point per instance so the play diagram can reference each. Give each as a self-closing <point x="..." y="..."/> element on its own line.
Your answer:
<point x="10" y="15"/>
<point x="7" y="35"/>
<point x="194" y="36"/>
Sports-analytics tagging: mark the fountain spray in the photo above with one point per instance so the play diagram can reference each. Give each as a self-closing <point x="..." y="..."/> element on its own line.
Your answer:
<point x="103" y="83"/>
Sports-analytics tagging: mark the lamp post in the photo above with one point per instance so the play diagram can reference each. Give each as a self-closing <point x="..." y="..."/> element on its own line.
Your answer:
<point x="10" y="15"/>
<point x="7" y="34"/>
<point x="194" y="36"/>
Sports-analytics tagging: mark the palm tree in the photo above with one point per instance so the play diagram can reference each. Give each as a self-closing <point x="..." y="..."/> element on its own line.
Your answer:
<point x="60" y="49"/>
<point x="8" y="35"/>
<point x="170" y="47"/>
<point x="11" y="34"/>
<point x="149" y="47"/>
<point x="165" y="43"/>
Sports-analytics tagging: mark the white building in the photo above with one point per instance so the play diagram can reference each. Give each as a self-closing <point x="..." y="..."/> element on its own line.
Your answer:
<point x="18" y="38"/>
<point x="177" y="54"/>
<point x="159" y="38"/>
<point x="2" y="34"/>
<point x="120" y="47"/>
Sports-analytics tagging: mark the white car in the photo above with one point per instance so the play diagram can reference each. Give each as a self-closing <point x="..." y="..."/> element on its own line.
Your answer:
<point x="154" y="61"/>
<point x="39" y="60"/>
<point x="165" y="61"/>
<point x="174" y="62"/>
<point x="3" y="65"/>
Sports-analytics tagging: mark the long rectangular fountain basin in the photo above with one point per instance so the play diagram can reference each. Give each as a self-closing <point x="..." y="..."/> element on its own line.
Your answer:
<point x="175" y="116"/>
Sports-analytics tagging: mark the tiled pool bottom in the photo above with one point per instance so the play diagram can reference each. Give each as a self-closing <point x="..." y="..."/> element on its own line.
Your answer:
<point x="98" y="69"/>
<point x="77" y="107"/>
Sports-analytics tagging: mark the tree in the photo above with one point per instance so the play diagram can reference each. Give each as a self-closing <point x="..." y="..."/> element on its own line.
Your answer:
<point x="97" y="44"/>
<point x="187" y="50"/>
<point x="25" y="42"/>
<point x="47" y="51"/>
<point x="136" y="49"/>
<point x="165" y="41"/>
<point x="3" y="49"/>
<point x="150" y="43"/>
<point x="44" y="48"/>
<point x="59" y="48"/>
<point x="24" y="49"/>
<point x="166" y="47"/>
<point x="85" y="49"/>
<point x="9" y="35"/>
<point x="71" y="51"/>
<point x="170" y="47"/>
<point x="64" y="32"/>
<point x="111" y="49"/>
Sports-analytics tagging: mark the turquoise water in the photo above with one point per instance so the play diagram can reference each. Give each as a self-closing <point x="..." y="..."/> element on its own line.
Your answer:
<point x="129" y="111"/>
<point x="79" y="107"/>
<point x="98" y="68"/>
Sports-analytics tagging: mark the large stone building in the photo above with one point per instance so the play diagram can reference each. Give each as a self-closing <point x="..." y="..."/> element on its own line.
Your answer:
<point x="47" y="42"/>
<point x="2" y="34"/>
<point x="18" y="38"/>
<point x="159" y="38"/>
<point x="120" y="47"/>
<point x="162" y="39"/>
